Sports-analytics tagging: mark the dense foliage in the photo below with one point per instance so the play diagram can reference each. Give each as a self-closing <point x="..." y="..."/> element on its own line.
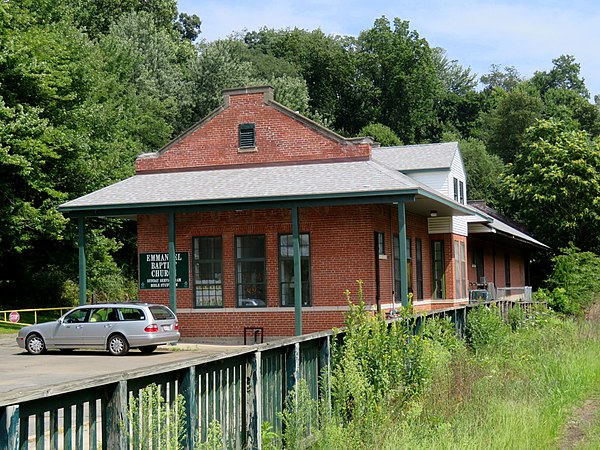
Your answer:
<point x="85" y="86"/>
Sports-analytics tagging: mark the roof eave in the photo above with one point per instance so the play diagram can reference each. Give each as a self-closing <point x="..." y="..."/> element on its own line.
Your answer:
<point x="237" y="203"/>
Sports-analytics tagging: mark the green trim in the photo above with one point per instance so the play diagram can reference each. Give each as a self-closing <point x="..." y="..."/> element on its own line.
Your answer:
<point x="297" y="272"/>
<point x="172" y="271"/>
<point x="402" y="253"/>
<point x="82" y="262"/>
<point x="248" y="203"/>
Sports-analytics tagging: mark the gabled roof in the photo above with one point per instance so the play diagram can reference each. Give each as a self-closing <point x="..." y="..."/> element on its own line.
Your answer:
<point x="420" y="157"/>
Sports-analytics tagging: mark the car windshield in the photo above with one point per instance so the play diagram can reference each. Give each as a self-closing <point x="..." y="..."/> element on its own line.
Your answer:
<point x="161" y="313"/>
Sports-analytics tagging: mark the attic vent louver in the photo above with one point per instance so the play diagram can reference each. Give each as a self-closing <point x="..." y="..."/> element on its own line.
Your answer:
<point x="247" y="135"/>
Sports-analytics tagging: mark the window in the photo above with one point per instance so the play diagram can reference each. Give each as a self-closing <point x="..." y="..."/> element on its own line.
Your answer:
<point x="397" y="265"/>
<point x="419" y="264"/>
<point x="438" y="265"/>
<point x="77" y="316"/>
<point x="250" y="271"/>
<point x="247" y="135"/>
<point x="463" y="263"/>
<point x="460" y="276"/>
<point x="380" y="242"/>
<point x="287" y="282"/>
<point x="455" y="189"/>
<point x="507" y="269"/>
<point x="208" y="272"/>
<point x="461" y="188"/>
<point x="132" y="314"/>
<point x="104" y="315"/>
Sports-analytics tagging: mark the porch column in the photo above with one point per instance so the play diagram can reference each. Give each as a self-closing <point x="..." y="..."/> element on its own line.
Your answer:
<point x="82" y="265"/>
<point x="172" y="265"/>
<point x="297" y="272"/>
<point x="402" y="253"/>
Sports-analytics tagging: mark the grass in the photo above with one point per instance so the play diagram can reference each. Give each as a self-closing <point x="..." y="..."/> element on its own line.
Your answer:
<point x="9" y="328"/>
<point x="520" y="392"/>
<point x="519" y="398"/>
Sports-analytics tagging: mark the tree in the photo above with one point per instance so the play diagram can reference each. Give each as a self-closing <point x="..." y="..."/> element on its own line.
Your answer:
<point x="516" y="111"/>
<point x="506" y="79"/>
<point x="454" y="77"/>
<point x="554" y="186"/>
<point x="380" y="133"/>
<point x="484" y="171"/>
<point x="398" y="71"/>
<point x="220" y="66"/>
<point x="564" y="75"/>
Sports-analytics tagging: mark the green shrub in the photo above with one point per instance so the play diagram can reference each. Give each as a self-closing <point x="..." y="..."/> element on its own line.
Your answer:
<point x="152" y="424"/>
<point x="575" y="281"/>
<point x="485" y="328"/>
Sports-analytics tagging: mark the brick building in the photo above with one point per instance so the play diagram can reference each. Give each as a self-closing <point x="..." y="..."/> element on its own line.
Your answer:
<point x="270" y="217"/>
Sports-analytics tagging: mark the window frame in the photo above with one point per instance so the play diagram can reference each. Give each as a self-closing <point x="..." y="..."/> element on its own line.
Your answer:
<point x="434" y="270"/>
<point x="419" y="266"/>
<point x="238" y="260"/>
<point x="244" y="128"/>
<point x="196" y="275"/>
<point x="306" y="284"/>
<point x="507" y="282"/>
<point x="397" y="281"/>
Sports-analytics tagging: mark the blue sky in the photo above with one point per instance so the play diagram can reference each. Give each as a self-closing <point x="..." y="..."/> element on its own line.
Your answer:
<point x="477" y="33"/>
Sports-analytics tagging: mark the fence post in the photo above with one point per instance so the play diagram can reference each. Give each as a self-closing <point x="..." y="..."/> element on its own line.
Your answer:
<point x="114" y="416"/>
<point x="293" y="368"/>
<point x="189" y="390"/>
<point x="254" y="401"/>
<point x="9" y="427"/>
<point x="325" y="369"/>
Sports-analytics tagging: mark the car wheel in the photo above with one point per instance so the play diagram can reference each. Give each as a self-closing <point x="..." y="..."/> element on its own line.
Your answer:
<point x="118" y="345"/>
<point x="148" y="348"/>
<point x="35" y="344"/>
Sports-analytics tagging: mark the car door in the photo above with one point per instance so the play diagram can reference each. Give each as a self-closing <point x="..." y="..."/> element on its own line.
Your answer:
<point x="69" y="331"/>
<point x="99" y="326"/>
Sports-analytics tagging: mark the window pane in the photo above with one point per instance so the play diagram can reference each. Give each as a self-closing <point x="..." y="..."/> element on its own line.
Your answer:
<point x="250" y="246"/>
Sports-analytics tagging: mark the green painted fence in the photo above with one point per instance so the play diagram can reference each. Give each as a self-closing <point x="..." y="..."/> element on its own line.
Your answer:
<point x="240" y="391"/>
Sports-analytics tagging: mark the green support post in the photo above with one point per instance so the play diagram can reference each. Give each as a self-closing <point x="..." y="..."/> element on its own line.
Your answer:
<point x="82" y="265"/>
<point x="297" y="272"/>
<point x="172" y="265"/>
<point x="402" y="255"/>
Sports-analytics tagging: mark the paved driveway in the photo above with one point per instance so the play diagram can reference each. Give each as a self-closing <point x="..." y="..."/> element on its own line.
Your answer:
<point x="22" y="375"/>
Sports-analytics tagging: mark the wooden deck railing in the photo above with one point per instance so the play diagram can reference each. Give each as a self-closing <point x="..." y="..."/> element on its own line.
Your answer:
<point x="241" y="390"/>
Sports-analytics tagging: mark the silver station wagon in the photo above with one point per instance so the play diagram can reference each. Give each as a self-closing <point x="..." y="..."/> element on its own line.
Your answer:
<point x="116" y="327"/>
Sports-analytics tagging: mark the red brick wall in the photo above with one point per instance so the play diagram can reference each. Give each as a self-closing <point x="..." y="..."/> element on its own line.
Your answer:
<point x="280" y="137"/>
<point x="342" y="251"/>
<point x="494" y="262"/>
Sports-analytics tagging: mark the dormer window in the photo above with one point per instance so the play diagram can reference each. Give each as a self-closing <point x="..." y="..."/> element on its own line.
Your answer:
<point x="247" y="135"/>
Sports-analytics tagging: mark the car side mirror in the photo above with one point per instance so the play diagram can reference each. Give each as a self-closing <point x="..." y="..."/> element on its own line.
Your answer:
<point x="60" y="320"/>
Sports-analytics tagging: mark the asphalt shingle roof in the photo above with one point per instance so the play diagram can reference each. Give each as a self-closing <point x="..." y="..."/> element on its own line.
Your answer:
<point x="417" y="157"/>
<point x="248" y="183"/>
